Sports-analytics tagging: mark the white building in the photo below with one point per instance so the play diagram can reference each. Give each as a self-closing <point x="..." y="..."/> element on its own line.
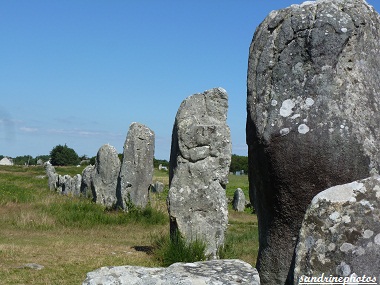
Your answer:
<point x="6" y="161"/>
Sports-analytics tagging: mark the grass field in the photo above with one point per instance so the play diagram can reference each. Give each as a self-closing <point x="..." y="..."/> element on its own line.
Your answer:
<point x="70" y="236"/>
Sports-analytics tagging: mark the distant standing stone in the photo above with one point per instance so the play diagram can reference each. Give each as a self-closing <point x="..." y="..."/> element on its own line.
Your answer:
<point x="136" y="171"/>
<point x="238" y="202"/>
<point x="107" y="168"/>
<point x="87" y="185"/>
<point x="52" y="176"/>
<point x="199" y="166"/>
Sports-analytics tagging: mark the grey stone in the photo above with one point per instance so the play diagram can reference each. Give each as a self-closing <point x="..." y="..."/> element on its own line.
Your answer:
<point x="313" y="115"/>
<point x="107" y="168"/>
<point x="64" y="184"/>
<point x="238" y="203"/>
<point x="76" y="185"/>
<point x="52" y="176"/>
<point x="199" y="166"/>
<point x="214" y="272"/>
<point x="136" y="171"/>
<point x="87" y="185"/>
<point x="340" y="234"/>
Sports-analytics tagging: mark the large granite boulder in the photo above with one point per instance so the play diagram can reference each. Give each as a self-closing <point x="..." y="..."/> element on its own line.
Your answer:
<point x="312" y="115"/>
<point x="199" y="166"/>
<point x="105" y="177"/>
<point x="136" y="173"/>
<point x="340" y="234"/>
<point x="214" y="272"/>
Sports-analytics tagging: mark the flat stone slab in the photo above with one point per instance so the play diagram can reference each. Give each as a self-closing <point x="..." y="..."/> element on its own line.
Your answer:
<point x="213" y="272"/>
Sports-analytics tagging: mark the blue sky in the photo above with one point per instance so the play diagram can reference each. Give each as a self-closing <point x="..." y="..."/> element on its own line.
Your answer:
<point x="79" y="72"/>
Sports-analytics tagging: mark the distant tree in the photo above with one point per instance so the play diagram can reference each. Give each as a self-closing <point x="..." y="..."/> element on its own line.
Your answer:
<point x="44" y="158"/>
<point x="1" y="157"/>
<point x="157" y="162"/>
<point x="92" y="160"/>
<point x="24" y="160"/>
<point x="238" y="163"/>
<point x="63" y="155"/>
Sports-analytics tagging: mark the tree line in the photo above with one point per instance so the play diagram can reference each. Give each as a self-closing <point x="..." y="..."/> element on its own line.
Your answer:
<point x="62" y="155"/>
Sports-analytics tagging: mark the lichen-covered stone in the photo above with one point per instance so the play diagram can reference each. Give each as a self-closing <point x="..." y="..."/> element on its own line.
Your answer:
<point x="199" y="167"/>
<point x="87" y="185"/>
<point x="136" y="173"/>
<point x="107" y="168"/>
<point x="214" y="272"/>
<point x="313" y="115"/>
<point x="340" y="234"/>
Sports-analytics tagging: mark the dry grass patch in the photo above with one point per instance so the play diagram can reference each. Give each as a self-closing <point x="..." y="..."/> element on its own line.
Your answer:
<point x="71" y="236"/>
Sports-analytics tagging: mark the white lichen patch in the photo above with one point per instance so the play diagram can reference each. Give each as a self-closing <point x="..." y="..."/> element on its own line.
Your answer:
<point x="303" y="129"/>
<point x="367" y="204"/>
<point x="287" y="108"/>
<point x="295" y="116"/>
<point x="377" y="239"/>
<point x="367" y="234"/>
<point x="284" y="131"/>
<point x="274" y="103"/>
<point x="344" y="30"/>
<point x="331" y="246"/>
<point x="334" y="216"/>
<point x="346" y="219"/>
<point x="345" y="247"/>
<point x="309" y="102"/>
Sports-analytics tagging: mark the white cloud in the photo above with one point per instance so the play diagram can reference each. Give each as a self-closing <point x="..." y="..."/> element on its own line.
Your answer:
<point x="28" y="130"/>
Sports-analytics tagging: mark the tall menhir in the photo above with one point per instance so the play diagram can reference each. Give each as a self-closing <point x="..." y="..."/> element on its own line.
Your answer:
<point x="312" y="116"/>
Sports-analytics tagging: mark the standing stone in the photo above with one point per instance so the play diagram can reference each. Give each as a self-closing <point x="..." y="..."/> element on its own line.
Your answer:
<point x="199" y="166"/>
<point x="313" y="115"/>
<point x="107" y="168"/>
<point x="238" y="203"/>
<point x="52" y="176"/>
<point x="340" y="234"/>
<point x="136" y="173"/>
<point x="76" y="185"/>
<point x="87" y="185"/>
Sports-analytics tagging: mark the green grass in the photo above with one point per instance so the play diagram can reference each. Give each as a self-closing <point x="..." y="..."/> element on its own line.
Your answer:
<point x="71" y="236"/>
<point x="168" y="250"/>
<point x="237" y="181"/>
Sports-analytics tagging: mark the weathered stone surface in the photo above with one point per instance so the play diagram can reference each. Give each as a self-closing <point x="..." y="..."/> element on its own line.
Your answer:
<point x="87" y="185"/>
<point x="214" y="272"/>
<point x="52" y="176"/>
<point x="76" y="184"/>
<point x="136" y="171"/>
<point x="238" y="203"/>
<point x="313" y="115"/>
<point x="107" y="168"/>
<point x="199" y="166"/>
<point x="340" y="234"/>
<point x="64" y="184"/>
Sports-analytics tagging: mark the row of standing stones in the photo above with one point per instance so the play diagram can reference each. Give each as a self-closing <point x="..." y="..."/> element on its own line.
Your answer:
<point x="313" y="146"/>
<point x="110" y="182"/>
